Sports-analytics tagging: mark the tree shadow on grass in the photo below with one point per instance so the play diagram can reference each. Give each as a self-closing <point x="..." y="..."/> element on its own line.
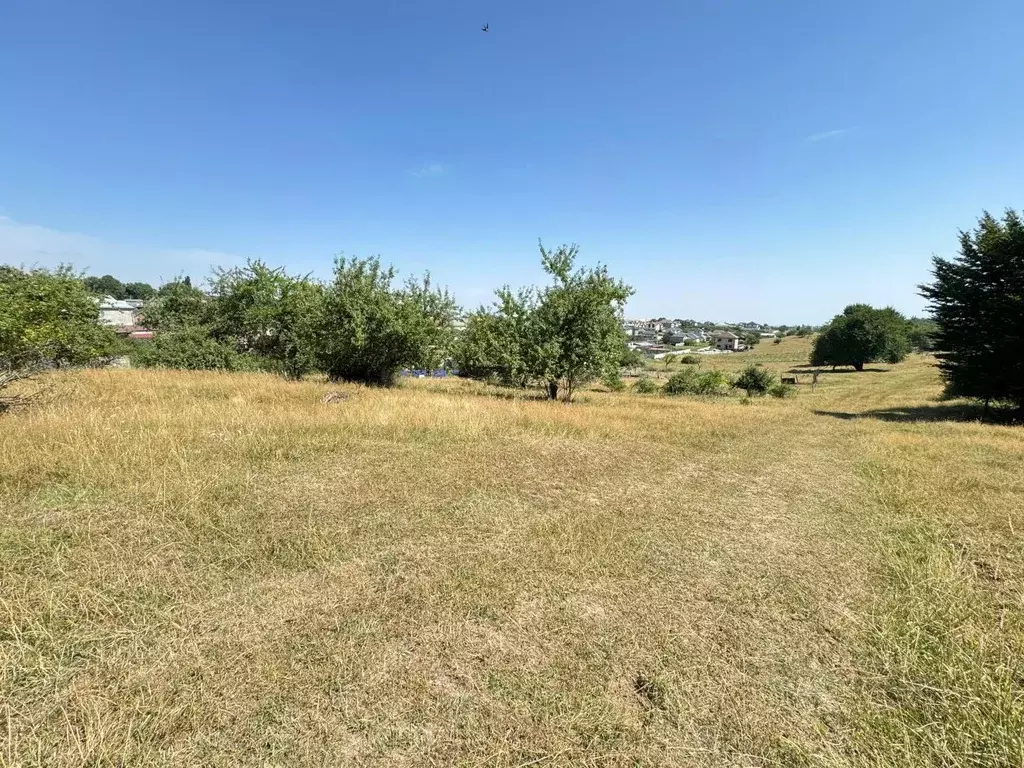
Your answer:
<point x="501" y="393"/>
<point x="961" y="412"/>
<point x="809" y="369"/>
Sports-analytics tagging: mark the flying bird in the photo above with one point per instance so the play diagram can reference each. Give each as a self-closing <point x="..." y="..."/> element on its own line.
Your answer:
<point x="485" y="27"/>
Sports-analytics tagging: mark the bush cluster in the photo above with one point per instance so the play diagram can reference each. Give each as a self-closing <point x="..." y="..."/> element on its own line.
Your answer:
<point x="692" y="382"/>
<point x="645" y="385"/>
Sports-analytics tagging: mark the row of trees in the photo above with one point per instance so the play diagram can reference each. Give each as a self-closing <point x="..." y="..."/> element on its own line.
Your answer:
<point x="361" y="325"/>
<point x="108" y="285"/>
<point x="358" y="326"/>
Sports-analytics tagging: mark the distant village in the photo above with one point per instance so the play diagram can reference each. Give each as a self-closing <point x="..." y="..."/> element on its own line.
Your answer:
<point x="661" y="336"/>
<point x="654" y="338"/>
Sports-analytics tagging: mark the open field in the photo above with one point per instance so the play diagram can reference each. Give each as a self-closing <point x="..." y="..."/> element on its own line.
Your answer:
<point x="204" y="569"/>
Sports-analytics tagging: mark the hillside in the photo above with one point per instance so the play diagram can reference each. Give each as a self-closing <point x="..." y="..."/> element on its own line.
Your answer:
<point x="218" y="569"/>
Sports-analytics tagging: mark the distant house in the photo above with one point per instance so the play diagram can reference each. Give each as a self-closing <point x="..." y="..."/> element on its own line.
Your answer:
<point x="644" y="334"/>
<point x="726" y="341"/>
<point x="118" y="314"/>
<point x="681" y="337"/>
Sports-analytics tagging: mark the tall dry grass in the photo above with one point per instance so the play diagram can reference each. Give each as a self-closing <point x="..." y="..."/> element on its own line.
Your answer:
<point x="203" y="569"/>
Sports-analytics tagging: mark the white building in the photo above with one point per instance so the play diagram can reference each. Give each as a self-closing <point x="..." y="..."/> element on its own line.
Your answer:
<point x="726" y="341"/>
<point x="118" y="314"/>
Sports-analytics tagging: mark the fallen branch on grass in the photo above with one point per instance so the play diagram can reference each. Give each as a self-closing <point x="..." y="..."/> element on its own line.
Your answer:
<point x="10" y="374"/>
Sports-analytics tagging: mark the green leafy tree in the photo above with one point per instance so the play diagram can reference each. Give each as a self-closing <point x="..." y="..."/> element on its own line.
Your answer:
<point x="141" y="291"/>
<point x="368" y="330"/>
<point x="433" y="313"/>
<point x="578" y="323"/>
<point x="178" y="304"/>
<point x="561" y="336"/>
<point x="267" y="313"/>
<point x="50" y="317"/>
<point x="862" y="334"/>
<point x="977" y="301"/>
<point x="108" y="285"/>
<point x="493" y="344"/>
<point x="921" y="334"/>
<point x="755" y="380"/>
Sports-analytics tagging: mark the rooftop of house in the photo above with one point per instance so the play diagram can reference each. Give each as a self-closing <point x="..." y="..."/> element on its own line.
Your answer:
<point x="724" y="335"/>
<point x="109" y="302"/>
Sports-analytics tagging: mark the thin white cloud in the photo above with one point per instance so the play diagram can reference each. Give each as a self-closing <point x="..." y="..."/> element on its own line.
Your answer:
<point x="430" y="169"/>
<point x="34" y="245"/>
<point x="816" y="137"/>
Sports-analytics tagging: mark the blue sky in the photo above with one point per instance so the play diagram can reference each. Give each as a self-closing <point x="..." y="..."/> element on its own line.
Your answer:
<point x="731" y="159"/>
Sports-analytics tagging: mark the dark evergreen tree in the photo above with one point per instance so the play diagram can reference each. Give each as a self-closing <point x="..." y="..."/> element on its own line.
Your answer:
<point x="977" y="301"/>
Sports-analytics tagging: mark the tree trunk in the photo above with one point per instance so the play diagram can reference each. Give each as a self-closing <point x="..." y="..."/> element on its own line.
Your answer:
<point x="552" y="390"/>
<point x="858" y="366"/>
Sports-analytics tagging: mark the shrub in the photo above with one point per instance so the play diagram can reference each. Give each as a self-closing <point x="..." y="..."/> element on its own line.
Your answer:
<point x="614" y="382"/>
<point x="682" y="383"/>
<point x="192" y="349"/>
<point x="690" y="359"/>
<point x="755" y="380"/>
<point x="690" y="382"/>
<point x="777" y="341"/>
<point x="645" y="386"/>
<point x="713" y="383"/>
<point x="782" y="390"/>
<point x="631" y="358"/>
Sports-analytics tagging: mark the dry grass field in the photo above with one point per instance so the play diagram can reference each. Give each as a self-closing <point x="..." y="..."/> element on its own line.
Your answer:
<point x="220" y="570"/>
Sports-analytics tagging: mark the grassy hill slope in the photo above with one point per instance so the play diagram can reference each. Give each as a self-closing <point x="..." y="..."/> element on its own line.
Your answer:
<point x="221" y="570"/>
